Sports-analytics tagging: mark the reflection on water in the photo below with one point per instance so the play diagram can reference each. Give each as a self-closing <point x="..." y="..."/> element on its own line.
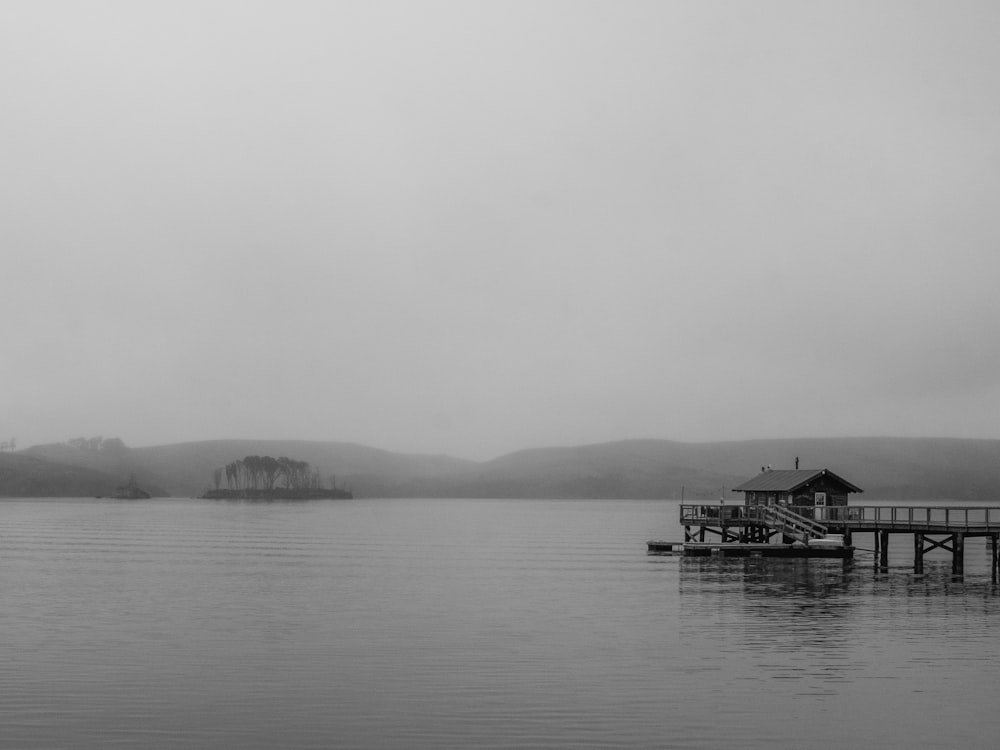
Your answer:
<point x="884" y="645"/>
<point x="456" y="624"/>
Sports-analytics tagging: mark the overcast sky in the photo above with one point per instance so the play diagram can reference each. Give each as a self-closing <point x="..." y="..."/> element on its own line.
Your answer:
<point x="474" y="227"/>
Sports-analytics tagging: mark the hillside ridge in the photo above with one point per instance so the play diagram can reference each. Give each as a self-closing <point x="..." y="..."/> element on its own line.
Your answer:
<point x="886" y="468"/>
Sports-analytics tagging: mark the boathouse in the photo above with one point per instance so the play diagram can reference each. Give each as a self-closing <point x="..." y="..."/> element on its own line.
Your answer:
<point x="799" y="488"/>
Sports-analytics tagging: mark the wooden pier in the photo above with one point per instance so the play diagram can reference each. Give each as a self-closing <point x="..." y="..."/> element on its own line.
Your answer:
<point x="793" y="531"/>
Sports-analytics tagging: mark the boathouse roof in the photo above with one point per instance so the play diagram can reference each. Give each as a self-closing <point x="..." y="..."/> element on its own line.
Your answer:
<point x="789" y="480"/>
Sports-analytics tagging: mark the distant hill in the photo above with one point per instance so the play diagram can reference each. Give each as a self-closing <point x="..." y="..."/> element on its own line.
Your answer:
<point x="886" y="468"/>
<point x="24" y="475"/>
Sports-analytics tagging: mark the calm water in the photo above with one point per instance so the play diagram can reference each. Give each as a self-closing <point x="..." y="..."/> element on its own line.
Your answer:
<point x="470" y="624"/>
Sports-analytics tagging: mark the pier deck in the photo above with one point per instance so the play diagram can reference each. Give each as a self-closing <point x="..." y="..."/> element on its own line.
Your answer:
<point x="752" y="526"/>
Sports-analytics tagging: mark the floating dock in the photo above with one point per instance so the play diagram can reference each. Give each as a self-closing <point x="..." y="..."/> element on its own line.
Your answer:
<point x="736" y="549"/>
<point x="657" y="547"/>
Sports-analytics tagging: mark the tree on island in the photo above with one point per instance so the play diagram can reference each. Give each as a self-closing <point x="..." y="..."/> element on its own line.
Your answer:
<point x="264" y="473"/>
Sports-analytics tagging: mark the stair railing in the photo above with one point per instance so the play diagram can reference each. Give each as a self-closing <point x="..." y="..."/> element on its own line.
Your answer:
<point x="792" y="524"/>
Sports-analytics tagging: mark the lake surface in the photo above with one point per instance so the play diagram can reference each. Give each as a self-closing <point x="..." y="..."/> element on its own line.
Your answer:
<point x="471" y="624"/>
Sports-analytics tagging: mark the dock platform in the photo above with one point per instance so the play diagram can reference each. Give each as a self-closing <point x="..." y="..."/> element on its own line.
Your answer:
<point x="737" y="549"/>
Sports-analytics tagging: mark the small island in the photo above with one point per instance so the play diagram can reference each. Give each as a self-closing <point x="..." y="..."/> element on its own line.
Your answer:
<point x="130" y="491"/>
<point x="268" y="478"/>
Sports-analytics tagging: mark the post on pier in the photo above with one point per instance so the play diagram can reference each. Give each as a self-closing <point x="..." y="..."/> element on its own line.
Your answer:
<point x="994" y="558"/>
<point x="882" y="544"/>
<point x="918" y="553"/>
<point x="958" y="554"/>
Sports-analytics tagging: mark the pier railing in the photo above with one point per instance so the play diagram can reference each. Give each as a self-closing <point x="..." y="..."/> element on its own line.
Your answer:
<point x="713" y="514"/>
<point x="888" y="517"/>
<point x="910" y="517"/>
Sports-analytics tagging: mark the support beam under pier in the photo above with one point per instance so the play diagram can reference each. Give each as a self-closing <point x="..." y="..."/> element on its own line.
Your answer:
<point x="953" y="543"/>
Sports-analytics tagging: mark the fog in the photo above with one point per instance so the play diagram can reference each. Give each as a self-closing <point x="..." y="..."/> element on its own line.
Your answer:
<point x="469" y="228"/>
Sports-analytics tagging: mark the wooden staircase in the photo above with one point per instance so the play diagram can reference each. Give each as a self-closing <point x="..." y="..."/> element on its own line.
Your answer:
<point x="792" y="524"/>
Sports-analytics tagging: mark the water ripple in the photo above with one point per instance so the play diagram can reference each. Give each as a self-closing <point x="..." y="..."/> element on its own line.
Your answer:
<point x="457" y="624"/>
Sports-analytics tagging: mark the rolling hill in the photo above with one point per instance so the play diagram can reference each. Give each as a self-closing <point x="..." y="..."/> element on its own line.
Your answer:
<point x="887" y="468"/>
<point x="25" y="475"/>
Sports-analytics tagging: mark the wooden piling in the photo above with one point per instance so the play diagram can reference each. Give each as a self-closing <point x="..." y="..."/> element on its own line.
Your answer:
<point x="958" y="554"/>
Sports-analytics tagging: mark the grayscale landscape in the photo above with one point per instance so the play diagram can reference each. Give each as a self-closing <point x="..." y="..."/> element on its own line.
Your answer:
<point x="353" y="354"/>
